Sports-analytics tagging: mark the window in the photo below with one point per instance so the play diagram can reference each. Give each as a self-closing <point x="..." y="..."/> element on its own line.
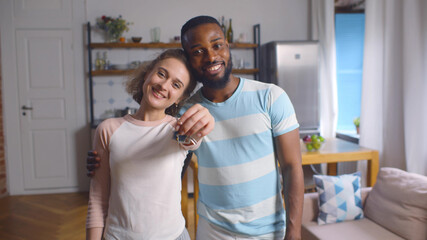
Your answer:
<point x="349" y="37"/>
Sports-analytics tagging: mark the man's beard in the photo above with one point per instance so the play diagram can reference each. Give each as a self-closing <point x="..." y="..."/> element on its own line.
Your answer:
<point x="219" y="83"/>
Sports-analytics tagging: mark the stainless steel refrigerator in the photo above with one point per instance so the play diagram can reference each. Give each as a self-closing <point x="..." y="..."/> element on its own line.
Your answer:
<point x="293" y="65"/>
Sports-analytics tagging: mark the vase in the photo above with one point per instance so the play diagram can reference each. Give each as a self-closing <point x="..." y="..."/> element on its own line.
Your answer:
<point x="111" y="37"/>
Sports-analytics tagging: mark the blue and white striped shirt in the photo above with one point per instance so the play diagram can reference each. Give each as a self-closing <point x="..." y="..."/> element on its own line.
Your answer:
<point x="239" y="181"/>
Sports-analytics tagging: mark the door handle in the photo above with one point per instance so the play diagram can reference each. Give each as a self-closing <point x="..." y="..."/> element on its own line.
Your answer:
<point x="26" y="108"/>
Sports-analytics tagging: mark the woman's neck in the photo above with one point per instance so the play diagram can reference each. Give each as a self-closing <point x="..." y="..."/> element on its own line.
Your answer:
<point x="145" y="114"/>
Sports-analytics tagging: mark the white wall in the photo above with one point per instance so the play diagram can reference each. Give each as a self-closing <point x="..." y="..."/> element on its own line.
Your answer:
<point x="279" y="19"/>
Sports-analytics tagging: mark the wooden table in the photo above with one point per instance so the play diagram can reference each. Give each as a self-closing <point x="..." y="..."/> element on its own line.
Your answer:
<point x="336" y="150"/>
<point x="332" y="152"/>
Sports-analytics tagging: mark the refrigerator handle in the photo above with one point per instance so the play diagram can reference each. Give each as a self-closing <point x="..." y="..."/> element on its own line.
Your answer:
<point x="257" y="40"/>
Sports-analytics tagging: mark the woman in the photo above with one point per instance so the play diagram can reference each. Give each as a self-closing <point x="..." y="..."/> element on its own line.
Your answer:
<point x="137" y="195"/>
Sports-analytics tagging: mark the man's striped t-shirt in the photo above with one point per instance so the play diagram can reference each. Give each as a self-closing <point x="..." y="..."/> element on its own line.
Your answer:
<point x="239" y="180"/>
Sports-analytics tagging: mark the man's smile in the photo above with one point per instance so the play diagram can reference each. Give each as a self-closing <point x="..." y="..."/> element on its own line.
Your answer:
<point x="214" y="68"/>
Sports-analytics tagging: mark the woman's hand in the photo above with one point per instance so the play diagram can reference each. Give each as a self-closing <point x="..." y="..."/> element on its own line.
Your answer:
<point x="196" y="121"/>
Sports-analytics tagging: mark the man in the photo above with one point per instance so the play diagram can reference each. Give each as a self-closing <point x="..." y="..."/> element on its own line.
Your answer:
<point x="239" y="180"/>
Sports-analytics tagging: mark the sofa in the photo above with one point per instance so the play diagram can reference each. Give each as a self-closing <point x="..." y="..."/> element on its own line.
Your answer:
<point x="394" y="208"/>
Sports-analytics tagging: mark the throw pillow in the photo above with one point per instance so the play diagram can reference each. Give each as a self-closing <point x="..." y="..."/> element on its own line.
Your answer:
<point x="398" y="202"/>
<point x="339" y="198"/>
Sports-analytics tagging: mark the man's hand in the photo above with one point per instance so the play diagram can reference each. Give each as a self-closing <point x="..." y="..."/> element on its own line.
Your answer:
<point x="92" y="162"/>
<point x="289" y="156"/>
<point x="196" y="120"/>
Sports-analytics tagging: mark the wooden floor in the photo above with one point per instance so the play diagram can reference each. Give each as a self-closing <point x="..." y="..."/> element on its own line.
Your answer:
<point x="49" y="217"/>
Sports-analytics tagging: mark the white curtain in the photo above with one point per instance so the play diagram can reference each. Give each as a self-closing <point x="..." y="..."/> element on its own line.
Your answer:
<point x="394" y="91"/>
<point x="323" y="30"/>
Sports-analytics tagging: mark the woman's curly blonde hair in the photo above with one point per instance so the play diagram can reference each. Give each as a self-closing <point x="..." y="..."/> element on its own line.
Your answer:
<point x="137" y="79"/>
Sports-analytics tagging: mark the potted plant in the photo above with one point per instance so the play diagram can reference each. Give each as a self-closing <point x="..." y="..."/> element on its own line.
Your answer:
<point x="356" y="122"/>
<point x="113" y="27"/>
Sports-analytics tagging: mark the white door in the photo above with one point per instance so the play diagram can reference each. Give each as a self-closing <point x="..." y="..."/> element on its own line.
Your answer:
<point x="46" y="97"/>
<point x="46" y="130"/>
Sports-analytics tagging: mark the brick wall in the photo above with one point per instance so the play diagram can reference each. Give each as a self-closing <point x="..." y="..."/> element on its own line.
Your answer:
<point x="3" y="188"/>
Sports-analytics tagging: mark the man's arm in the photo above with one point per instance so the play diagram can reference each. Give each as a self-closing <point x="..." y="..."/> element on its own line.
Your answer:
<point x="289" y="156"/>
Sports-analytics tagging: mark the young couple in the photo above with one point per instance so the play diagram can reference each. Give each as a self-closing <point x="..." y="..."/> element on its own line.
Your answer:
<point x="135" y="193"/>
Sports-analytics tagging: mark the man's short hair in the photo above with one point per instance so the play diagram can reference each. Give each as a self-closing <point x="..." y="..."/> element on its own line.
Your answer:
<point x="194" y="22"/>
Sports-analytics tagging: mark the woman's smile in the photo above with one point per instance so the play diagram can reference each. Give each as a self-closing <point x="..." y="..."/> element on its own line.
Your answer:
<point x="157" y="93"/>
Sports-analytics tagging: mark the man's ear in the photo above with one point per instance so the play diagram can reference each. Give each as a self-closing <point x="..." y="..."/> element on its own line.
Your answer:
<point x="227" y="43"/>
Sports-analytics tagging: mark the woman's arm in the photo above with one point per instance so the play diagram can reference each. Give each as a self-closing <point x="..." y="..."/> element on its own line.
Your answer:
<point x="99" y="186"/>
<point x="94" y="233"/>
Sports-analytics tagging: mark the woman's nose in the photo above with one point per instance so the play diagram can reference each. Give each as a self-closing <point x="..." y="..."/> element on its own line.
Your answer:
<point x="163" y="84"/>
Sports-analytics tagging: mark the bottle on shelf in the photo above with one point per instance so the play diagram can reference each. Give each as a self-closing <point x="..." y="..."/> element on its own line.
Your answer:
<point x="105" y="62"/>
<point x="230" y="33"/>
<point x="99" y="62"/>
<point x="223" y="25"/>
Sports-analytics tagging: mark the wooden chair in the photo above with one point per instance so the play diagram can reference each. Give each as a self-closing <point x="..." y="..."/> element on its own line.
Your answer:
<point x="192" y="163"/>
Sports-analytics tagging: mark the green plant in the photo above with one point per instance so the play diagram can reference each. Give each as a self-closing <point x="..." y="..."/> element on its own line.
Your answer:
<point x="356" y="121"/>
<point x="114" y="27"/>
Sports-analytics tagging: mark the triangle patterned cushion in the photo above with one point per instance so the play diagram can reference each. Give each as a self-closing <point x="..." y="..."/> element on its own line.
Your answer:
<point x="339" y="198"/>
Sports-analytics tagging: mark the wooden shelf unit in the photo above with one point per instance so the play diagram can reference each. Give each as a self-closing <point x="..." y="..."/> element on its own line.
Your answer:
<point x="255" y="46"/>
<point x="162" y="45"/>
<point x="116" y="72"/>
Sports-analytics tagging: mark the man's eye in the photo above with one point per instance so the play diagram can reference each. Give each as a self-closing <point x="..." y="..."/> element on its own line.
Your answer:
<point x="198" y="52"/>
<point x="217" y="46"/>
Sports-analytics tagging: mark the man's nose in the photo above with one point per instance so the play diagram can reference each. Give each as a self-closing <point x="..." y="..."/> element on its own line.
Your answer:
<point x="210" y="55"/>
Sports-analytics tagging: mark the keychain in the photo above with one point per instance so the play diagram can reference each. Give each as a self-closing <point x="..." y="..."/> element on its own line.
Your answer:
<point x="184" y="139"/>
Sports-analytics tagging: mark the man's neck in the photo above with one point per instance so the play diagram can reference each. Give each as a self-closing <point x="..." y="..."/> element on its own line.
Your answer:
<point x="221" y="95"/>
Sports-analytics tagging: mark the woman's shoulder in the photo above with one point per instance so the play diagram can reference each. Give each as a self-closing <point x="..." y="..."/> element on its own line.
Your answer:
<point x="110" y="124"/>
<point x="173" y="121"/>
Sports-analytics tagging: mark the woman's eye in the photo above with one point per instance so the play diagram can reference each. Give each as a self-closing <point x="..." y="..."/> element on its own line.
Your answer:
<point x="177" y="85"/>
<point x="161" y="74"/>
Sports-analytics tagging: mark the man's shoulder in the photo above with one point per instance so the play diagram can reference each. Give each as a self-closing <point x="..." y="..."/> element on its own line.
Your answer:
<point x="263" y="88"/>
<point x="256" y="85"/>
<point x="194" y="99"/>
